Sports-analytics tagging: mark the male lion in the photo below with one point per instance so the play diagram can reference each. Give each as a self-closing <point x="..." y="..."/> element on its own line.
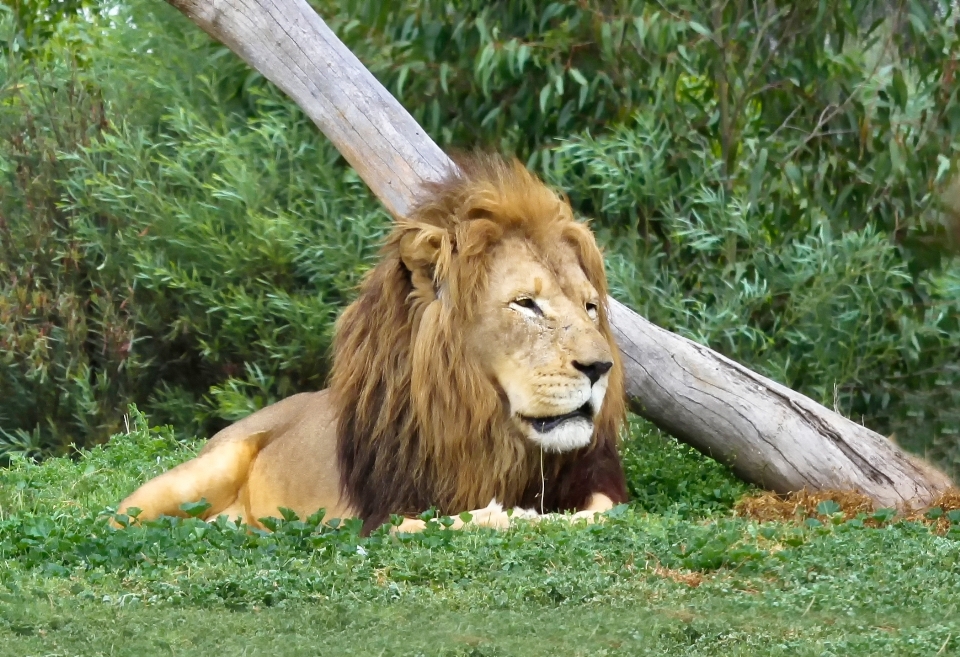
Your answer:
<point x="477" y="363"/>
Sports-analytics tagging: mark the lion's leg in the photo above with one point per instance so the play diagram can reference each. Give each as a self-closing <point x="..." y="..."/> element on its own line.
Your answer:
<point x="216" y="476"/>
<point x="237" y="512"/>
<point x="598" y="503"/>
<point x="492" y="515"/>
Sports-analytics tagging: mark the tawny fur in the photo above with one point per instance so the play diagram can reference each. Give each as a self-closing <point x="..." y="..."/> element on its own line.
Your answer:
<point x="411" y="419"/>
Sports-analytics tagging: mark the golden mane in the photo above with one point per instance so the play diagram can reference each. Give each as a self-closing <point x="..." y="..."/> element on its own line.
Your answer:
<point x="419" y="424"/>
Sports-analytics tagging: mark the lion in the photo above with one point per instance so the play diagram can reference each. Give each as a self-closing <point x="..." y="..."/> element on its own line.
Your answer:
<point x="476" y="371"/>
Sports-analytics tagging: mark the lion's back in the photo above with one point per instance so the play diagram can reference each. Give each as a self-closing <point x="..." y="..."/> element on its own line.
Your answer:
<point x="294" y="413"/>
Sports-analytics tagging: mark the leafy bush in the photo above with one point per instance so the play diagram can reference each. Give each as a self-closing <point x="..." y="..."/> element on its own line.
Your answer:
<point x="766" y="179"/>
<point x="191" y="259"/>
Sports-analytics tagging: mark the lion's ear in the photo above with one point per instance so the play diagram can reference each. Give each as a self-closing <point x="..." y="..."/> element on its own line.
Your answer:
<point x="426" y="252"/>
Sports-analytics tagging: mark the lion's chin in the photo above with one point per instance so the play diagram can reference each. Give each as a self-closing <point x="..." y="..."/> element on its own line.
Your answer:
<point x="563" y="436"/>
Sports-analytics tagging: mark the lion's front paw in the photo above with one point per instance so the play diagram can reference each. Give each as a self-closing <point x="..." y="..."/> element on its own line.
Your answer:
<point x="491" y="515"/>
<point x="525" y="514"/>
<point x="410" y="526"/>
<point x="588" y="517"/>
<point x="494" y="516"/>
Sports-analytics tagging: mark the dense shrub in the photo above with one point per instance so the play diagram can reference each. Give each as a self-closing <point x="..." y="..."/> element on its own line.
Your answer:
<point x="190" y="254"/>
<point x="765" y="180"/>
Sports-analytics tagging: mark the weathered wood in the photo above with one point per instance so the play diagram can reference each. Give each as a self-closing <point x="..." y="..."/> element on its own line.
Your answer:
<point x="291" y="46"/>
<point x="769" y="434"/>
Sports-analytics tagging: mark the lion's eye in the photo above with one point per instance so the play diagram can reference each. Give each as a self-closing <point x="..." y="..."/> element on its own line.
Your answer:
<point x="592" y="309"/>
<point x="528" y="304"/>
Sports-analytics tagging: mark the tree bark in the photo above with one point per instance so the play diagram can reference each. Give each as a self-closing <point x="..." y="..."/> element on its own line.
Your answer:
<point x="768" y="434"/>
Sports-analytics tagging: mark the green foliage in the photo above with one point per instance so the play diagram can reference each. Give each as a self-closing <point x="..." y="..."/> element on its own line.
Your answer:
<point x="833" y="313"/>
<point x="766" y="180"/>
<point x="668" y="477"/>
<point x="511" y="75"/>
<point x="637" y="584"/>
<point x="38" y="20"/>
<point x="190" y="259"/>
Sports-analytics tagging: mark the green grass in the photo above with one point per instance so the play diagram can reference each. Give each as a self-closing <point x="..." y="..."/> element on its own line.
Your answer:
<point x="674" y="573"/>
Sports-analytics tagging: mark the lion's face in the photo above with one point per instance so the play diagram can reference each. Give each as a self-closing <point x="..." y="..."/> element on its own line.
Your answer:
<point x="480" y="335"/>
<point x="537" y="336"/>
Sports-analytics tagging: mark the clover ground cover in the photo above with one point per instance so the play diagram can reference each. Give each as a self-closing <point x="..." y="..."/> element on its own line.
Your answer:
<point x="673" y="573"/>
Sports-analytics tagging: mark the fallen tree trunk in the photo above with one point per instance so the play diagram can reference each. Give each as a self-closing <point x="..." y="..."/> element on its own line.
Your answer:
<point x="768" y="434"/>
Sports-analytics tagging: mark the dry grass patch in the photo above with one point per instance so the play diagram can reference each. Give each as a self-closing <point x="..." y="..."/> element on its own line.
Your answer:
<point x="800" y="505"/>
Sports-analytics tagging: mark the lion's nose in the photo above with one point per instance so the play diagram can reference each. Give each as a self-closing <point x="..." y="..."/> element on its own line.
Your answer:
<point x="593" y="370"/>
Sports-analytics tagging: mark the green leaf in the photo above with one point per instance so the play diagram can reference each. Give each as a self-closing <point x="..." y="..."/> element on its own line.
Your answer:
<point x="897" y="160"/>
<point x="884" y="515"/>
<point x="756" y="177"/>
<point x="195" y="509"/>
<point x="484" y="67"/>
<point x="618" y="511"/>
<point x="793" y="173"/>
<point x="899" y="89"/>
<point x="401" y="79"/>
<point x="545" y="98"/>
<point x="828" y="508"/>
<point x="491" y="116"/>
<point x="943" y="166"/>
<point x="270" y="523"/>
<point x="523" y="55"/>
<point x="288" y="514"/>
<point x="606" y="40"/>
<point x="640" y="25"/>
<point x="700" y="29"/>
<point x="316" y="518"/>
<point x="444" y="77"/>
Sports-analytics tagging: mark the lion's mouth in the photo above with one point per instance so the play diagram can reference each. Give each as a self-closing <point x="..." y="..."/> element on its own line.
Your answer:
<point x="547" y="424"/>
